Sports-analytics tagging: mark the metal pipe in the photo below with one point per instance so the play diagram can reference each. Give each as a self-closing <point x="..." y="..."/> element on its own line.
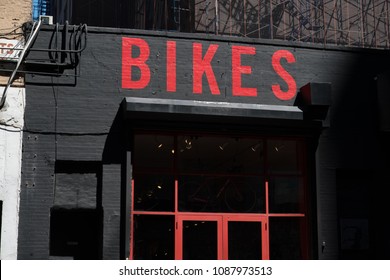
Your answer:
<point x="44" y="50"/>
<point x="42" y="73"/>
<point x="64" y="42"/>
<point x="216" y="17"/>
<point x="21" y="57"/>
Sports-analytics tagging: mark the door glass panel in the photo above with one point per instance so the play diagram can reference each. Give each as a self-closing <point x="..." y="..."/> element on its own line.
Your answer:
<point x="286" y="195"/>
<point x="244" y="241"/>
<point x="285" y="238"/>
<point x="200" y="240"/>
<point x="229" y="194"/>
<point x="154" y="237"/>
<point x="154" y="192"/>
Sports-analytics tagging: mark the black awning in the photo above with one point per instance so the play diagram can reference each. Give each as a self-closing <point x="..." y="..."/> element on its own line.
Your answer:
<point x="147" y="107"/>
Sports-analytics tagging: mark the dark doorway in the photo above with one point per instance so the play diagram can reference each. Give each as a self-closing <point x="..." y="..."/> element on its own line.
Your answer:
<point x="74" y="233"/>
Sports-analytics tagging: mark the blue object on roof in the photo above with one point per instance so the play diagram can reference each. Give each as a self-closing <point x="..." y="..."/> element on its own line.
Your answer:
<point x="40" y="7"/>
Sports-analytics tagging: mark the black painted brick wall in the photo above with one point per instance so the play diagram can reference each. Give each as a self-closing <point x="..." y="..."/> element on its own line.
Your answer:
<point x="111" y="211"/>
<point x="68" y="119"/>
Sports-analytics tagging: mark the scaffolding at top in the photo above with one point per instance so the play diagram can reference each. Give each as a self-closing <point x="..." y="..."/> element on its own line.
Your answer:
<point x="361" y="23"/>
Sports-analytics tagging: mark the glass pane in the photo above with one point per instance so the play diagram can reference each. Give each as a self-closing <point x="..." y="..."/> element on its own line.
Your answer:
<point x="153" y="192"/>
<point x="153" y="151"/>
<point x="200" y="240"/>
<point x="286" y="195"/>
<point x="283" y="156"/>
<point x="220" y="154"/>
<point x="244" y="240"/>
<point x="154" y="237"/>
<point x="285" y="238"/>
<point x="240" y="194"/>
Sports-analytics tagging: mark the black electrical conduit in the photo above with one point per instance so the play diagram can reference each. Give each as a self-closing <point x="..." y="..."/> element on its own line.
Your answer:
<point x="75" y="48"/>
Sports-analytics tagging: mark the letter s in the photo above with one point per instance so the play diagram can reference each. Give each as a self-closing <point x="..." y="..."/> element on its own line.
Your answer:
<point x="292" y="85"/>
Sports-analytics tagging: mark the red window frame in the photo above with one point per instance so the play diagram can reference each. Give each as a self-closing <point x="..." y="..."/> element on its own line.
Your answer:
<point x="223" y="218"/>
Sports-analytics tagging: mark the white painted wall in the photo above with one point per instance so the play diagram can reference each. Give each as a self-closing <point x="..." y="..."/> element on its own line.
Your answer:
<point x="11" y="126"/>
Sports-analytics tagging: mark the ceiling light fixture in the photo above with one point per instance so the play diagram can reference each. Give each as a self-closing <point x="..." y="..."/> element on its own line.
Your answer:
<point x="223" y="146"/>
<point x="188" y="143"/>
<point x="279" y="148"/>
<point x="255" y="147"/>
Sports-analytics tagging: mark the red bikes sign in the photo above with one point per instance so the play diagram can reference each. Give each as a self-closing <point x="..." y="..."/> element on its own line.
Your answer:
<point x="207" y="67"/>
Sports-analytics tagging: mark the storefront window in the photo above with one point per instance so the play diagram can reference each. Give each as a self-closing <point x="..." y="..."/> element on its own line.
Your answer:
<point x="286" y="238"/>
<point x="218" y="197"/>
<point x="204" y="154"/>
<point x="153" y="237"/>
<point x="219" y="194"/>
<point x="154" y="192"/>
<point x="286" y="195"/>
<point x="283" y="156"/>
<point x="153" y="152"/>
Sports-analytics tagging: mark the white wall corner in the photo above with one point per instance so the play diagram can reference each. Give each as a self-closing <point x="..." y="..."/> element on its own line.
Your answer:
<point x="11" y="135"/>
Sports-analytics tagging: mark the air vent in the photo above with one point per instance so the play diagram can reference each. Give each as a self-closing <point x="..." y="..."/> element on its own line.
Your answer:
<point x="46" y="19"/>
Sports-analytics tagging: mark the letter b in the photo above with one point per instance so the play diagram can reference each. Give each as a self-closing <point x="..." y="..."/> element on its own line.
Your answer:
<point x="128" y="62"/>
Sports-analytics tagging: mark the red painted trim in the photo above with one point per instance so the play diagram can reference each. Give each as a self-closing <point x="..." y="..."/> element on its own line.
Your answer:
<point x="266" y="225"/>
<point x="178" y="238"/>
<point x="246" y="218"/>
<point x="266" y="198"/>
<point x="131" y="257"/>
<point x="154" y="213"/>
<point x="225" y="238"/>
<point x="285" y="215"/>
<point x="222" y="232"/>
<point x="195" y="217"/>
<point x="265" y="239"/>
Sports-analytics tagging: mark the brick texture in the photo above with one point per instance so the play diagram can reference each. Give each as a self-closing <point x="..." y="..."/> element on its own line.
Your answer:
<point x="14" y="13"/>
<point x="12" y="16"/>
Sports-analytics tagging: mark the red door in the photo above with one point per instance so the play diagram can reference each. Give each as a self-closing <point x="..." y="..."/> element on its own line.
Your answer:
<point x="220" y="237"/>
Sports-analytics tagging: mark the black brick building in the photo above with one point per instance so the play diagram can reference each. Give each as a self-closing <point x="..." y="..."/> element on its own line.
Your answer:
<point x="166" y="145"/>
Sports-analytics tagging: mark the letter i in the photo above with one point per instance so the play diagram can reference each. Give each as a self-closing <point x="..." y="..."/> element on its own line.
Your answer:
<point x="171" y="66"/>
